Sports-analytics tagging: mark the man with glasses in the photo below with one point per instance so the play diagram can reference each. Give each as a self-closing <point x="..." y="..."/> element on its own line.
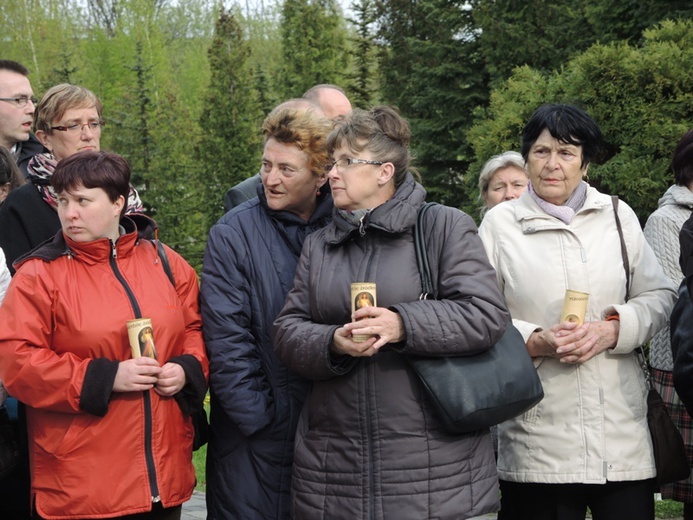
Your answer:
<point x="17" y="106"/>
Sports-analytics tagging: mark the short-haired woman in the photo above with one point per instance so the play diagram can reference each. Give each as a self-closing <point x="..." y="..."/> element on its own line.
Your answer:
<point x="248" y="268"/>
<point x="662" y="233"/>
<point x="372" y="446"/>
<point x="502" y="178"/>
<point x="109" y="435"/>
<point x="67" y="120"/>
<point x="587" y="443"/>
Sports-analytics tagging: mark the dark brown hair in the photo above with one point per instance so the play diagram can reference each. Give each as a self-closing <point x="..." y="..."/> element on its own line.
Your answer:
<point x="92" y="169"/>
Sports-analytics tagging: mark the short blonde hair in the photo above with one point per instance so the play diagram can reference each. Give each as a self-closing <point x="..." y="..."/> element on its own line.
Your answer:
<point x="59" y="99"/>
<point x="304" y="129"/>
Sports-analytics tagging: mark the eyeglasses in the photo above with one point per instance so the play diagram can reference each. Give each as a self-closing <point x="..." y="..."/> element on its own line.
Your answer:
<point x="94" y="126"/>
<point x="342" y="163"/>
<point x="20" y="102"/>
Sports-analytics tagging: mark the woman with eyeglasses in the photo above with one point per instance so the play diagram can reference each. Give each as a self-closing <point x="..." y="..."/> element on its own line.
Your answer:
<point x="372" y="446"/>
<point x="67" y="120"/>
<point x="248" y="268"/>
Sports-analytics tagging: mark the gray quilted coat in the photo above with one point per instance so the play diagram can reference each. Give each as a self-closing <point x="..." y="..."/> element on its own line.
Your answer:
<point x="662" y="233"/>
<point x="371" y="446"/>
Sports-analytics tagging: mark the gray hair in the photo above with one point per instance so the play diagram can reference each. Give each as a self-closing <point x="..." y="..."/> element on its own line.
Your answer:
<point x="495" y="163"/>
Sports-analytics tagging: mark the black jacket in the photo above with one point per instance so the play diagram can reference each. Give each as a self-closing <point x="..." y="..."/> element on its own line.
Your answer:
<point x="26" y="220"/>
<point x="681" y="322"/>
<point x="27" y="149"/>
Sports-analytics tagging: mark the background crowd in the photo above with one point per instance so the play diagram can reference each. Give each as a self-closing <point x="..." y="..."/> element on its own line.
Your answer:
<point x="306" y="420"/>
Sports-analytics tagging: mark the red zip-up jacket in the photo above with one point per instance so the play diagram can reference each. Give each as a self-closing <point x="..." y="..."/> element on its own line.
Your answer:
<point x="95" y="453"/>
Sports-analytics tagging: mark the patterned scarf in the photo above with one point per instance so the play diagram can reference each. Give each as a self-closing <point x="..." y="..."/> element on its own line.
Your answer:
<point x="569" y="209"/>
<point x="40" y="170"/>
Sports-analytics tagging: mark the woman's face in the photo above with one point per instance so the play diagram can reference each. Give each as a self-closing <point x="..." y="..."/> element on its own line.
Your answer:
<point x="63" y="144"/>
<point x="505" y="184"/>
<point x="288" y="182"/>
<point x="357" y="186"/>
<point x="554" y="168"/>
<point x="88" y="214"/>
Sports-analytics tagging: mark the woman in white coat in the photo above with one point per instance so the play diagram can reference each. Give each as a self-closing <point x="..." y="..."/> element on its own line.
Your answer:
<point x="587" y="443"/>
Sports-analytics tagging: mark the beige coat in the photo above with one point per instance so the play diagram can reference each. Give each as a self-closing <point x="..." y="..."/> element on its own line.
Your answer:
<point x="591" y="425"/>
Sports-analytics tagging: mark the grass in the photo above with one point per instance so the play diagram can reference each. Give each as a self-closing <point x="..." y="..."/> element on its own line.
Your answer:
<point x="199" y="459"/>
<point x="668" y="509"/>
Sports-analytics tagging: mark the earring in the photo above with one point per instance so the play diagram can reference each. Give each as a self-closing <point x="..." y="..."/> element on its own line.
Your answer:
<point x="318" y="192"/>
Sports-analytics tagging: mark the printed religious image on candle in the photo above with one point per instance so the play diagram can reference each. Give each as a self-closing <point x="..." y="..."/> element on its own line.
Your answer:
<point x="141" y="336"/>
<point x="362" y="295"/>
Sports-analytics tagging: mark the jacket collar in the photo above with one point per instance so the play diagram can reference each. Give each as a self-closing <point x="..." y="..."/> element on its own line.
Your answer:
<point x="395" y="216"/>
<point x="533" y="218"/>
<point x="137" y="227"/>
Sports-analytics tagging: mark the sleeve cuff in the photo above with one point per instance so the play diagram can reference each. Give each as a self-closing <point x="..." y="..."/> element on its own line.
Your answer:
<point x="191" y="397"/>
<point x="98" y="386"/>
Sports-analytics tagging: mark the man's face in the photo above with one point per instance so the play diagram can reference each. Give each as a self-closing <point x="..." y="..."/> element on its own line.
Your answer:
<point x="15" y="122"/>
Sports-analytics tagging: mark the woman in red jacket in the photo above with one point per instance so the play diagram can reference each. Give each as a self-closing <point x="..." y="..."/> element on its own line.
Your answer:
<point x="109" y="435"/>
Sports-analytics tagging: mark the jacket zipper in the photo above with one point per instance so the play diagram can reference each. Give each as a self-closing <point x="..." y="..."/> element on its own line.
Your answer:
<point x="149" y="456"/>
<point x="369" y="425"/>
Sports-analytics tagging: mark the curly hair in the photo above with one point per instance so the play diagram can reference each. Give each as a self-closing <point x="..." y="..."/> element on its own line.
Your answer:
<point x="305" y="129"/>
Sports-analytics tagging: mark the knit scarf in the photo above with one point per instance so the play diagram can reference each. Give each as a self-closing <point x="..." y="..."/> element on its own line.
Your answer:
<point x="40" y="170"/>
<point x="569" y="209"/>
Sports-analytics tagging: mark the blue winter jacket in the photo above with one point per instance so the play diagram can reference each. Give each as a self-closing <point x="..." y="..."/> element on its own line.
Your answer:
<point x="248" y="270"/>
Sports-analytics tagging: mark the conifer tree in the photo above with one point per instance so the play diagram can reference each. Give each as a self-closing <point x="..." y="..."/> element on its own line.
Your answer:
<point x="230" y="123"/>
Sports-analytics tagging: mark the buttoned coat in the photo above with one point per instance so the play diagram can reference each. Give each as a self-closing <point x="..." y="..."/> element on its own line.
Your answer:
<point x="591" y="425"/>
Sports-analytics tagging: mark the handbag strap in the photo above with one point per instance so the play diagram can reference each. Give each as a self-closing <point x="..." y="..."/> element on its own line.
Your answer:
<point x="428" y="290"/>
<point x="626" y="265"/>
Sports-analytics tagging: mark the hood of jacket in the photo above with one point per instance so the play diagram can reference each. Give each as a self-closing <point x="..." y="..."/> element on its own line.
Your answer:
<point x="395" y="216"/>
<point x="677" y="196"/>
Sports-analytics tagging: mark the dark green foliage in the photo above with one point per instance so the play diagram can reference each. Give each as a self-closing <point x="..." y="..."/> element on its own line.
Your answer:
<point x="432" y="70"/>
<point x="229" y="150"/>
<point x="545" y="34"/>
<point x="361" y="80"/>
<point x="313" y="46"/>
<point x="641" y="96"/>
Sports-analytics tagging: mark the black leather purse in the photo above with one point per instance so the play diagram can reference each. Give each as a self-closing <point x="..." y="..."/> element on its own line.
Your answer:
<point x="475" y="392"/>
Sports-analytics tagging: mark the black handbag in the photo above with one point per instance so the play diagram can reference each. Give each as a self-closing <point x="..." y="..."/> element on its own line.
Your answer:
<point x="475" y="392"/>
<point x="9" y="447"/>
<point x="668" y="447"/>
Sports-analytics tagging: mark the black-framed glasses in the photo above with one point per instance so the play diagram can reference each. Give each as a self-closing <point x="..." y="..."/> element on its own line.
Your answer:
<point x="94" y="126"/>
<point x="21" y="101"/>
<point x="348" y="161"/>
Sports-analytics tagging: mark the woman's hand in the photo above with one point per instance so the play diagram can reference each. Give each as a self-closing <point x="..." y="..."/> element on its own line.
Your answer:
<point x="382" y="324"/>
<point x="377" y="321"/>
<point x="171" y="380"/>
<point x="136" y="375"/>
<point x="599" y="336"/>
<point x="571" y="343"/>
<point x="344" y="345"/>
